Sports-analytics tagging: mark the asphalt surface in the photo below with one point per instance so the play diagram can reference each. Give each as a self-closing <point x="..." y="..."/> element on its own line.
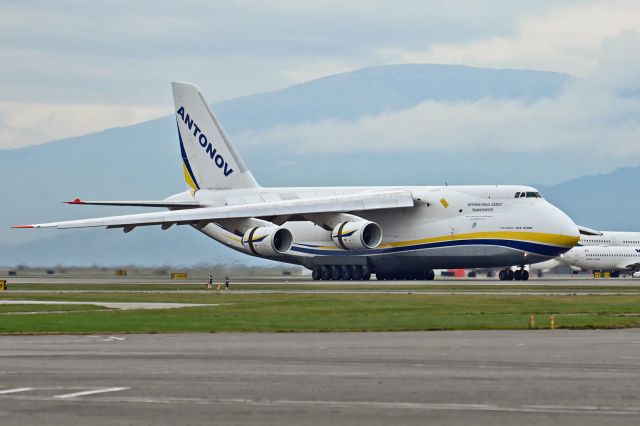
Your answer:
<point x="556" y="286"/>
<point x="558" y="280"/>
<point x="483" y="377"/>
<point x="111" y="305"/>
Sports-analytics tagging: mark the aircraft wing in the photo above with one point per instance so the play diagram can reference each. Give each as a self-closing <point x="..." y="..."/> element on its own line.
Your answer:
<point x="167" y="204"/>
<point x="373" y="200"/>
<point x="632" y="266"/>
<point x="588" y="231"/>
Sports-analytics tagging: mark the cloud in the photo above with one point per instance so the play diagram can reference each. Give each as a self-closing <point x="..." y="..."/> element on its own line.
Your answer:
<point x="567" y="39"/>
<point x="25" y="124"/>
<point x="595" y="120"/>
<point x="111" y="52"/>
<point x="559" y="125"/>
<point x="73" y="53"/>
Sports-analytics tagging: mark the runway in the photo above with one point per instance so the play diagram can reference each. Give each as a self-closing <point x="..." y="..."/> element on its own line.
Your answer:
<point x="550" y="286"/>
<point x="477" y="377"/>
<point x="110" y="305"/>
<point x="556" y="280"/>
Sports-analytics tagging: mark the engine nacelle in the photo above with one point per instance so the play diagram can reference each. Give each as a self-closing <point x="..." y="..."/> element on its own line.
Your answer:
<point x="267" y="240"/>
<point x="357" y="235"/>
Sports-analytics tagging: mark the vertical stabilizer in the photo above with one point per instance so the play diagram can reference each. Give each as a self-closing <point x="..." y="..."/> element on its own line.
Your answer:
<point x="209" y="159"/>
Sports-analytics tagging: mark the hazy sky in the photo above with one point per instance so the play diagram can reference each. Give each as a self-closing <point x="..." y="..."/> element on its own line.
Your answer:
<point x="72" y="67"/>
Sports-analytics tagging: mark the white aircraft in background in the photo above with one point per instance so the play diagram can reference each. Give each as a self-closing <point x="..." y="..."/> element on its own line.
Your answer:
<point x="604" y="258"/>
<point x="610" y="238"/>
<point x="589" y="238"/>
<point x="343" y="232"/>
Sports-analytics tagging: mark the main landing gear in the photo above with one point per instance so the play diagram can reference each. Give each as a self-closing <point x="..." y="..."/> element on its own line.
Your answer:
<point x="426" y="275"/>
<point x="510" y="274"/>
<point x="341" y="273"/>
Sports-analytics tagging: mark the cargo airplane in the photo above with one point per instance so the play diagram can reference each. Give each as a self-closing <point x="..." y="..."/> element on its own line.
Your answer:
<point x="342" y="233"/>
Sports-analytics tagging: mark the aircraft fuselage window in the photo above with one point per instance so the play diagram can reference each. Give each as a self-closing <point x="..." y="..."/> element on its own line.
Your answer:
<point x="517" y="195"/>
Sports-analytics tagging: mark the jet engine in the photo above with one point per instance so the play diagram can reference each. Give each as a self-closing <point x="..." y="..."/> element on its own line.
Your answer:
<point x="357" y="235"/>
<point x="267" y="240"/>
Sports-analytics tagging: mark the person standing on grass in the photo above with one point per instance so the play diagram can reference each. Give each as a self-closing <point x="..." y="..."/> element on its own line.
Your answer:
<point x="226" y="283"/>
<point x="210" y="285"/>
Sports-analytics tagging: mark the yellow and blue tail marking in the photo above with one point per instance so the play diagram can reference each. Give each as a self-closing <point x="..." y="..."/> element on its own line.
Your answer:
<point x="188" y="171"/>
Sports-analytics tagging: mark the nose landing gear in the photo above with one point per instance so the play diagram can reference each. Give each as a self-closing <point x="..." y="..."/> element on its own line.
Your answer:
<point x="518" y="275"/>
<point x="505" y="275"/>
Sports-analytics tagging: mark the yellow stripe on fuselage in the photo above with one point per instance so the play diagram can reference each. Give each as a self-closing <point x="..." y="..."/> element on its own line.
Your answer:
<point x="533" y="237"/>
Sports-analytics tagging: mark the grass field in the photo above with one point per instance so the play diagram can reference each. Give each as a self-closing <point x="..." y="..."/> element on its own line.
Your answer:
<point x="323" y="312"/>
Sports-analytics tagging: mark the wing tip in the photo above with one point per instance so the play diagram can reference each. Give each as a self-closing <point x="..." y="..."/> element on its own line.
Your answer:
<point x="76" y="201"/>
<point x="23" y="226"/>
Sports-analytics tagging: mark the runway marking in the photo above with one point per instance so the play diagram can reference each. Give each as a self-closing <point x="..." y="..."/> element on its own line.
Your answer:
<point x="445" y="406"/>
<point x="547" y="409"/>
<point x="567" y="409"/>
<point x="113" y="339"/>
<point x="89" y="392"/>
<point x="15" y="390"/>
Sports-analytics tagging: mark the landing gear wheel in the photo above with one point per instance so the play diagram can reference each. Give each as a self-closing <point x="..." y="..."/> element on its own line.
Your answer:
<point x="509" y="275"/>
<point x="316" y="274"/>
<point x="336" y="273"/>
<point x="325" y="274"/>
<point x="380" y="276"/>
<point x="366" y="276"/>
<point x="502" y="275"/>
<point x="525" y="275"/>
<point x="517" y="275"/>
<point x="429" y="275"/>
<point x="357" y="273"/>
<point x="346" y="273"/>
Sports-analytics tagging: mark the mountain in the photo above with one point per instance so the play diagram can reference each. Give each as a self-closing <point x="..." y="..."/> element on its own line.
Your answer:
<point x="608" y="202"/>
<point x="142" y="161"/>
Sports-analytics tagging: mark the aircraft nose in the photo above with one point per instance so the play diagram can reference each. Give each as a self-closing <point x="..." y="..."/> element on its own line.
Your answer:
<point x="563" y="225"/>
<point x="569" y="257"/>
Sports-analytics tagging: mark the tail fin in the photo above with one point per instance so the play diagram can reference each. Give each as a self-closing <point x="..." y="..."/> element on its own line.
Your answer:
<point x="209" y="160"/>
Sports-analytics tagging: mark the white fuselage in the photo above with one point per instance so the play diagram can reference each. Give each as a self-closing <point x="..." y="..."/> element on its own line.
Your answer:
<point x="607" y="258"/>
<point x="450" y="226"/>
<point x="611" y="238"/>
<point x="608" y="238"/>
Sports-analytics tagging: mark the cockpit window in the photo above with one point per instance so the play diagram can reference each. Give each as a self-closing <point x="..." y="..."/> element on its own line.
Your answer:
<point x="528" y="195"/>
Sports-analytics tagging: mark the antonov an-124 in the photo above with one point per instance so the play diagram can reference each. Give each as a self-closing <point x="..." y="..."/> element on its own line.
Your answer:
<point x="343" y="233"/>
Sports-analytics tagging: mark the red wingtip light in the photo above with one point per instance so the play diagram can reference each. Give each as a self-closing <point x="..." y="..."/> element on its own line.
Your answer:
<point x="76" y="201"/>
<point x="22" y="226"/>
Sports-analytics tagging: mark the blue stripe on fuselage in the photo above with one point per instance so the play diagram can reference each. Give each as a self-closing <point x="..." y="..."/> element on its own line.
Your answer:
<point x="535" y="248"/>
